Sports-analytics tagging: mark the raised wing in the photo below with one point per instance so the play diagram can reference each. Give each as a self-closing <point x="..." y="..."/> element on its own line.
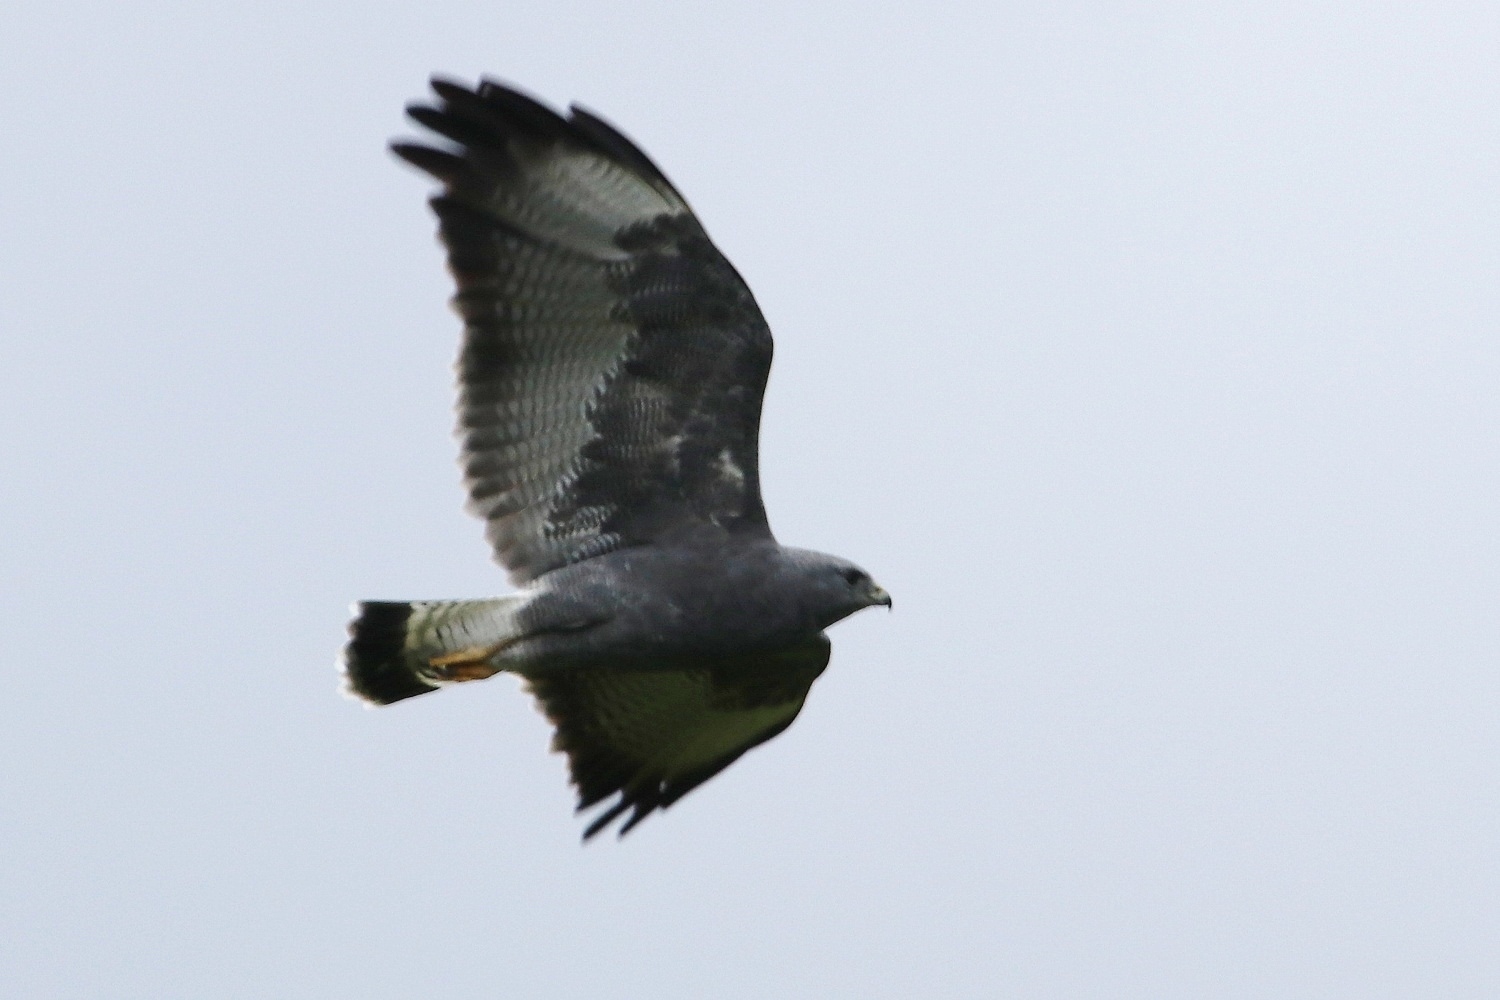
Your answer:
<point x="613" y="361"/>
<point x="652" y="736"/>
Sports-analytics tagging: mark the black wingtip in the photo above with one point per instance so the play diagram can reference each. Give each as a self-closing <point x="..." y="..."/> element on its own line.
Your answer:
<point x="374" y="660"/>
<point x="521" y="107"/>
<point x="450" y="89"/>
<point x="607" y="817"/>
<point x="443" y="165"/>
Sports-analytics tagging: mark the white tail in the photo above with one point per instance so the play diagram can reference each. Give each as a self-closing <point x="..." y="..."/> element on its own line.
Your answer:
<point x="397" y="650"/>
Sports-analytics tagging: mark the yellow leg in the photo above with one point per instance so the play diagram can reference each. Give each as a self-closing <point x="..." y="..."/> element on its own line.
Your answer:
<point x="470" y="664"/>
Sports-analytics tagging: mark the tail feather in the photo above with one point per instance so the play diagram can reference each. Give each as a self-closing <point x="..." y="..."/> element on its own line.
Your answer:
<point x="376" y="665"/>
<point x="392" y="644"/>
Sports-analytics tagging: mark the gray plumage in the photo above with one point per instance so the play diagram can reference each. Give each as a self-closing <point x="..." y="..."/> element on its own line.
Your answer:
<point x="610" y="385"/>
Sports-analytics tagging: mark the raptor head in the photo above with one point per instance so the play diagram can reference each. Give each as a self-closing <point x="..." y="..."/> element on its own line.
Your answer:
<point x="863" y="590"/>
<point x="841" y="588"/>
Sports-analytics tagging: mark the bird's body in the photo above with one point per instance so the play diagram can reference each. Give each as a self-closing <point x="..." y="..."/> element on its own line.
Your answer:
<point x="610" y="389"/>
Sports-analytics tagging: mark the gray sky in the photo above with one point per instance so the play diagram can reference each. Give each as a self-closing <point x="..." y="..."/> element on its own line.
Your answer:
<point x="1147" y="353"/>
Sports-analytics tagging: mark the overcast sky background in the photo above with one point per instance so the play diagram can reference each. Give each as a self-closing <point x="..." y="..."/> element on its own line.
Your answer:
<point x="1147" y="353"/>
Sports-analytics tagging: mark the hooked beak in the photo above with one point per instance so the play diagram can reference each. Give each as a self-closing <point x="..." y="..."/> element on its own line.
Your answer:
<point x="878" y="595"/>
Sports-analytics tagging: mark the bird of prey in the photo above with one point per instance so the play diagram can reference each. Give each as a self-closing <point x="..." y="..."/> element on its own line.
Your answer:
<point x="610" y="382"/>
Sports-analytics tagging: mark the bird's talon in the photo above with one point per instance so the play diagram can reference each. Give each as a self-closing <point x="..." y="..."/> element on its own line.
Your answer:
<point x="464" y="665"/>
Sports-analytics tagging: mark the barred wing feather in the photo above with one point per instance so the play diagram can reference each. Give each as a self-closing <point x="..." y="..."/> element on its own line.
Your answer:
<point x="613" y="361"/>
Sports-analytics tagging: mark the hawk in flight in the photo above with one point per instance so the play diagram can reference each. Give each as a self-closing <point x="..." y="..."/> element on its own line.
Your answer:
<point x="610" y="385"/>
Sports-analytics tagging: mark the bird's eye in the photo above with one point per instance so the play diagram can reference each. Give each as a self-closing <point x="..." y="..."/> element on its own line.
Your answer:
<point x="853" y="577"/>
